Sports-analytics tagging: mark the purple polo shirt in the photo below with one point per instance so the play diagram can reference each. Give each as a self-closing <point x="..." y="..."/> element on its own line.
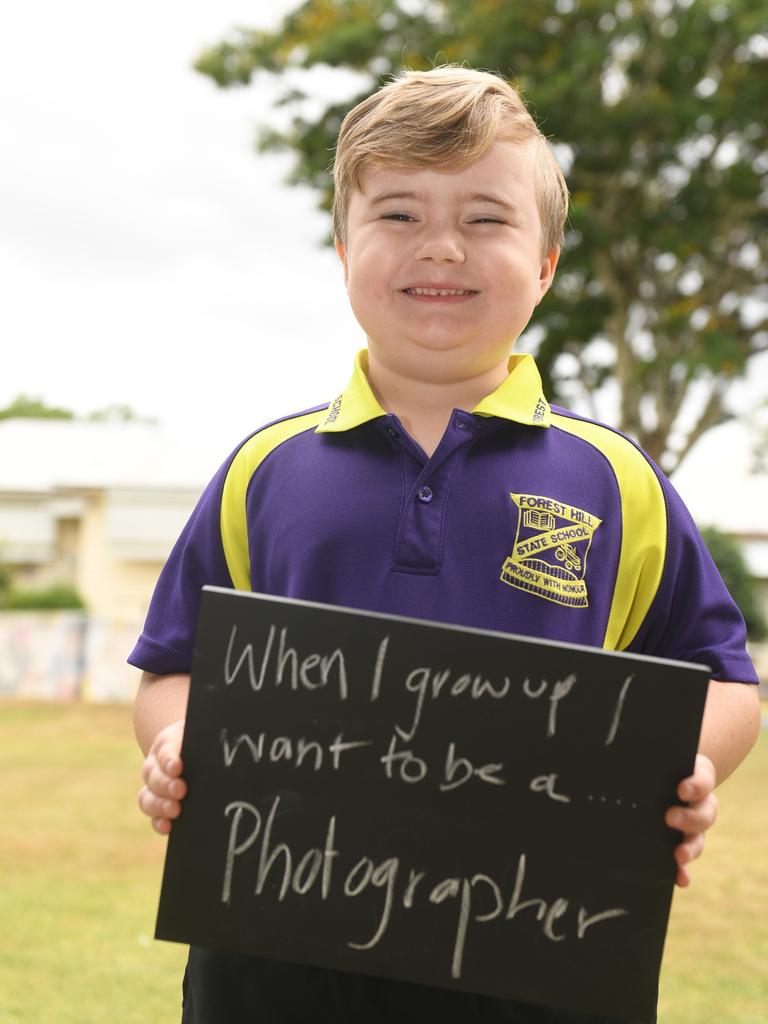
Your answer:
<point x="526" y="519"/>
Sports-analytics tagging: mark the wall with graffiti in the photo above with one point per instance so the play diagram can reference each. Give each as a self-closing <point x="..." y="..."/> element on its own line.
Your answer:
<point x="66" y="655"/>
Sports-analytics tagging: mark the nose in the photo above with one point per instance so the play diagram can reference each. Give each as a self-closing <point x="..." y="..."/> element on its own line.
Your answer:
<point x="441" y="244"/>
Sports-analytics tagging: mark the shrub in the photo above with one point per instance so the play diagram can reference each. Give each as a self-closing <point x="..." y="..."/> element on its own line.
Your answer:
<point x="60" y="595"/>
<point x="727" y="556"/>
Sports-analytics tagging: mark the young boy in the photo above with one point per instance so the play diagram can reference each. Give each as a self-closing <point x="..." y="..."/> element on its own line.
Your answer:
<point x="405" y="494"/>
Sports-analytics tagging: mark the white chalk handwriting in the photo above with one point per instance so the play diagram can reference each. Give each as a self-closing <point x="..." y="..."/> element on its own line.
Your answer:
<point x="272" y="869"/>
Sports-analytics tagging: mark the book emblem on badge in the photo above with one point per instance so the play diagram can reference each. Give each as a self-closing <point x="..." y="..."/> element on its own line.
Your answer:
<point x="552" y="542"/>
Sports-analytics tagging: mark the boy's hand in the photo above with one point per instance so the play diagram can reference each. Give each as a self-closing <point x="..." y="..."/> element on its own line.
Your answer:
<point x="693" y="820"/>
<point x="163" y="788"/>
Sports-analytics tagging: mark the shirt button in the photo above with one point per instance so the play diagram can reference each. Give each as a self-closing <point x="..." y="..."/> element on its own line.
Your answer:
<point x="425" y="494"/>
<point x="392" y="432"/>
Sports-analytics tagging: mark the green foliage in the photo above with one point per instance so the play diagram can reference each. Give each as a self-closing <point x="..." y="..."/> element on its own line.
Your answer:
<point x="728" y="558"/>
<point x="57" y="596"/>
<point x="659" y="108"/>
<point x="118" y="412"/>
<point x="33" y="407"/>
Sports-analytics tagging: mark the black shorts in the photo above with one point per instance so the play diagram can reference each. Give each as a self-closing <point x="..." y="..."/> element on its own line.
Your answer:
<point x="229" y="988"/>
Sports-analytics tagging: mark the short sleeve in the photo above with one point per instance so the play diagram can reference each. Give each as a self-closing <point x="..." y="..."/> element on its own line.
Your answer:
<point x="692" y="616"/>
<point x="167" y="640"/>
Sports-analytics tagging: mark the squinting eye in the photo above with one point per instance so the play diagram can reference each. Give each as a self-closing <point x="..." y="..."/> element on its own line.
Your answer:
<point x="402" y="217"/>
<point x="488" y="220"/>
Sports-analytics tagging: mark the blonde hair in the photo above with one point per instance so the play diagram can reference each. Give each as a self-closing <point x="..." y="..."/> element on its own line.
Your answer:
<point x="447" y="117"/>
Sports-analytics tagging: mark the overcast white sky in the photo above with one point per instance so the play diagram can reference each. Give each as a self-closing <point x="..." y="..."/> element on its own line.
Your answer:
<point x="147" y="254"/>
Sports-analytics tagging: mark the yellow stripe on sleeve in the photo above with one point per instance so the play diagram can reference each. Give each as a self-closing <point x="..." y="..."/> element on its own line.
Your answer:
<point x="643" y="532"/>
<point x="234" y="527"/>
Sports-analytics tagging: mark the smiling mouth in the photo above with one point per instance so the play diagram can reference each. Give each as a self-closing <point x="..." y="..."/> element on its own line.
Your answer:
<point x="439" y="291"/>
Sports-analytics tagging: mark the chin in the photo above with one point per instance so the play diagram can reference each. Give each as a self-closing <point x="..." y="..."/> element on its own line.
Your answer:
<point x="448" y="363"/>
<point x="441" y="342"/>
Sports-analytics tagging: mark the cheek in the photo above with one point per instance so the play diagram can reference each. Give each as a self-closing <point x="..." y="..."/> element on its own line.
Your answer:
<point x="368" y="280"/>
<point x="363" y="298"/>
<point x="518" y="279"/>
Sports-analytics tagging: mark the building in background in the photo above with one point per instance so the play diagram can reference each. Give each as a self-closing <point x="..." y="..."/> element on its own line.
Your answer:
<point x="97" y="506"/>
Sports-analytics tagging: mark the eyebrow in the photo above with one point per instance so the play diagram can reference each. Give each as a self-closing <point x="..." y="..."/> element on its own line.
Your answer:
<point x="480" y="197"/>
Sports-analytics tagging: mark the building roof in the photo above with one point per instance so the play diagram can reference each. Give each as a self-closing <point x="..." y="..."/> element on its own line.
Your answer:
<point x="48" y="455"/>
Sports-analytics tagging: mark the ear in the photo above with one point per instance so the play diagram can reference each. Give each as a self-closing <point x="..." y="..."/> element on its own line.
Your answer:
<point x="341" y="252"/>
<point x="547" y="272"/>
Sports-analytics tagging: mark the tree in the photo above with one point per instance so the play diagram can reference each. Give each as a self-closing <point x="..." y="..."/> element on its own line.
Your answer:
<point x="33" y="407"/>
<point x="729" y="559"/>
<point x="657" y="109"/>
<point x="118" y="412"/>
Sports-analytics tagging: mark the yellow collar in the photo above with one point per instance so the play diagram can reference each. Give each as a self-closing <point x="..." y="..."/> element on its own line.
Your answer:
<point x="519" y="398"/>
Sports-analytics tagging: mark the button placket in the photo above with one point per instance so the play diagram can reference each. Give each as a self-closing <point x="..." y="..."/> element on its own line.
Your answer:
<point x="419" y="544"/>
<point x="419" y="539"/>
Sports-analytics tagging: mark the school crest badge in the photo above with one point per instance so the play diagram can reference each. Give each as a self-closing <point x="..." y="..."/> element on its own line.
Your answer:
<point x="551" y="547"/>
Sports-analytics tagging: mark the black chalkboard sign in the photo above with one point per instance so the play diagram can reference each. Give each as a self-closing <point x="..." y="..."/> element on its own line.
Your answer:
<point x="441" y="805"/>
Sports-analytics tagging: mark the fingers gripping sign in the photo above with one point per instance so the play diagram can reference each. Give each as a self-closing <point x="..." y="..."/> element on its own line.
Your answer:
<point x="163" y="790"/>
<point x="696" y="817"/>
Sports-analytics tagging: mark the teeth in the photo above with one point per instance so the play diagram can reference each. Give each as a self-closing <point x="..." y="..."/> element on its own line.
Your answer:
<point x="438" y="291"/>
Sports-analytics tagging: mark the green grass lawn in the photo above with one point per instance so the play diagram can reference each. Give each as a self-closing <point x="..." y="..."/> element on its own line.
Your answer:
<point x="80" y="873"/>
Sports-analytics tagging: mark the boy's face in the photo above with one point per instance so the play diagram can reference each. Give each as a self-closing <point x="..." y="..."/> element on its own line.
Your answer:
<point x="475" y="231"/>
